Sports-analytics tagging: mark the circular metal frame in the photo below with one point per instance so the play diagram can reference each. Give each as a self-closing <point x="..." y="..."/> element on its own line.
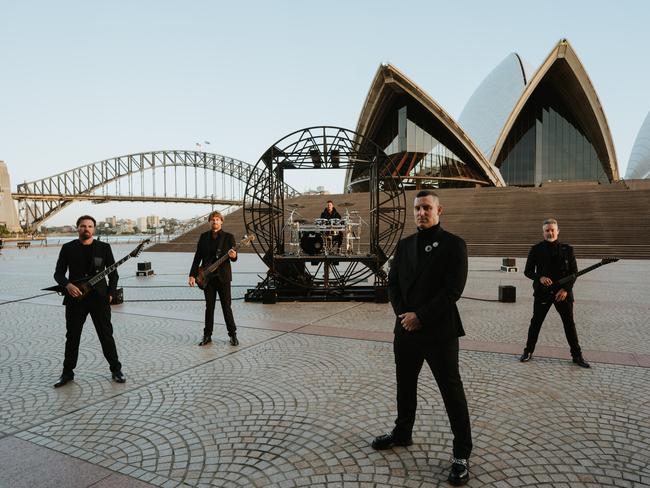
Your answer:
<point x="323" y="147"/>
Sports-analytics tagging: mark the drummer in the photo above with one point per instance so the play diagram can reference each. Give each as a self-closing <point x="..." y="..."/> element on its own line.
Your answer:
<point x="330" y="213"/>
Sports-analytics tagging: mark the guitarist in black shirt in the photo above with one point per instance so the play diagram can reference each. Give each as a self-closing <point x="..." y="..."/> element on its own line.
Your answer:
<point x="548" y="262"/>
<point x="212" y="245"/>
<point x="83" y="258"/>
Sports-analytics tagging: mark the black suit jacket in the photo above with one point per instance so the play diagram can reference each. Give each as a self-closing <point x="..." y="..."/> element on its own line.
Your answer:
<point x="429" y="288"/>
<point x="203" y="257"/>
<point x="539" y="264"/>
<point x="102" y="257"/>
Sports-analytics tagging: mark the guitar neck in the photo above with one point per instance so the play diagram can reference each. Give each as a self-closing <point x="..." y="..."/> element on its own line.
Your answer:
<point x="219" y="261"/>
<point x="573" y="276"/>
<point x="100" y="276"/>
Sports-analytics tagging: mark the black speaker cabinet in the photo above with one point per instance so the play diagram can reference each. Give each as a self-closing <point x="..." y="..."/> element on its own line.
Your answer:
<point x="509" y="262"/>
<point x="144" y="266"/>
<point x="269" y="296"/>
<point x="507" y="293"/>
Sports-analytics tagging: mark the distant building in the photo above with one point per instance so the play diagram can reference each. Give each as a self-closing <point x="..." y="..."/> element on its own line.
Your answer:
<point x="518" y="128"/>
<point x="153" y="221"/>
<point x="8" y="212"/>
<point x="142" y="223"/>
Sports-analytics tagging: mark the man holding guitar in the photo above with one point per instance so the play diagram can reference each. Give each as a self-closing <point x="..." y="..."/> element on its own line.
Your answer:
<point x="548" y="263"/>
<point x="212" y="245"/>
<point x="83" y="258"/>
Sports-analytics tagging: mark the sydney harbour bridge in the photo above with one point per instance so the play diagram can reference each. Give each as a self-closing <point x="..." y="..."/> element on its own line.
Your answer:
<point x="174" y="176"/>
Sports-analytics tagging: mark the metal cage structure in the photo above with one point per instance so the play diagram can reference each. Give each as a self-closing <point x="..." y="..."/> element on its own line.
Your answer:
<point x="322" y="277"/>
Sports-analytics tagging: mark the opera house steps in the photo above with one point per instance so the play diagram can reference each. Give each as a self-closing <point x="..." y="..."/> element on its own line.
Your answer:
<point x="610" y="220"/>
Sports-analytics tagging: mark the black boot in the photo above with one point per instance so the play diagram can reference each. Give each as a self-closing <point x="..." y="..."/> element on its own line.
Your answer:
<point x="580" y="361"/>
<point x="459" y="474"/>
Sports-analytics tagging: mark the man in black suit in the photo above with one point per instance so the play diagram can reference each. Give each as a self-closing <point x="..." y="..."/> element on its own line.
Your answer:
<point x="211" y="246"/>
<point x="84" y="258"/>
<point x="426" y="279"/>
<point x="549" y="261"/>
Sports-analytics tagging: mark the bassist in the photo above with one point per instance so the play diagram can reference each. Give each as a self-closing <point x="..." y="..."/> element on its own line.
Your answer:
<point x="548" y="262"/>
<point x="211" y="246"/>
<point x="81" y="259"/>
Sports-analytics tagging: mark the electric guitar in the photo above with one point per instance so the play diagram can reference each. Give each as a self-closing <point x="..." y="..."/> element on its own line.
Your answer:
<point x="86" y="285"/>
<point x="552" y="289"/>
<point x="204" y="274"/>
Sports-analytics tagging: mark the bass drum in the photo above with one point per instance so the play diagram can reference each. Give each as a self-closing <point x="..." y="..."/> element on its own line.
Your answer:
<point x="311" y="243"/>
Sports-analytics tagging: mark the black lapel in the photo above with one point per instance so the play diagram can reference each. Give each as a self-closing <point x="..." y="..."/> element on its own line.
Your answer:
<point x="429" y="258"/>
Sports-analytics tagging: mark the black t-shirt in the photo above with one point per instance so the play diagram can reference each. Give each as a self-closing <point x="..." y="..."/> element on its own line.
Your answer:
<point x="214" y="251"/>
<point x="557" y="263"/>
<point x="85" y="259"/>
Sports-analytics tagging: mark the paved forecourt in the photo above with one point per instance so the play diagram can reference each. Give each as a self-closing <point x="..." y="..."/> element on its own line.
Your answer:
<point x="298" y="402"/>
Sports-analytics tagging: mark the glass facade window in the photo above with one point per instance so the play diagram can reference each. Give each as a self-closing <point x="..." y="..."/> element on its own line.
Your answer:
<point x="430" y="163"/>
<point x="548" y="144"/>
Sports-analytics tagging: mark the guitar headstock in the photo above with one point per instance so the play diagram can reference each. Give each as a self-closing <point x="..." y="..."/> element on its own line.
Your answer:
<point x="136" y="252"/>
<point x="247" y="240"/>
<point x="608" y="260"/>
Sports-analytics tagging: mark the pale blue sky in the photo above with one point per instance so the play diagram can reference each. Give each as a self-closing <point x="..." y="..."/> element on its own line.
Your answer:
<point x="82" y="81"/>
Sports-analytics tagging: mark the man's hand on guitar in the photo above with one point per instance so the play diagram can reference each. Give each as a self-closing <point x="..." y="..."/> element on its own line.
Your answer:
<point x="546" y="281"/>
<point x="232" y="254"/>
<point x="191" y="281"/>
<point x="110" y="298"/>
<point x="73" y="291"/>
<point x="561" y="295"/>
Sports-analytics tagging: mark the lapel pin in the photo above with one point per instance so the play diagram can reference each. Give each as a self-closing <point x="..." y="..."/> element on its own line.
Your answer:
<point x="428" y="247"/>
<point x="435" y="244"/>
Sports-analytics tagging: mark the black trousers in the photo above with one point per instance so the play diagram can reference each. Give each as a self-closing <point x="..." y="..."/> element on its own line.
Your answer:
<point x="410" y="353"/>
<point x="210" y="293"/>
<point x="75" y="317"/>
<point x="565" y="309"/>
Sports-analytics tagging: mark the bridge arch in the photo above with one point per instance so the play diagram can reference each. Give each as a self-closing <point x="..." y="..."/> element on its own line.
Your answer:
<point x="41" y="199"/>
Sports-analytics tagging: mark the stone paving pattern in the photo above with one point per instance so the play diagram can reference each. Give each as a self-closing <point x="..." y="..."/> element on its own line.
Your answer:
<point x="291" y="408"/>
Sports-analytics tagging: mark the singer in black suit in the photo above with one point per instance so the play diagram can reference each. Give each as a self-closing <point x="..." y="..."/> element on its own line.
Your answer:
<point x="211" y="246"/>
<point x="84" y="258"/>
<point x="426" y="279"/>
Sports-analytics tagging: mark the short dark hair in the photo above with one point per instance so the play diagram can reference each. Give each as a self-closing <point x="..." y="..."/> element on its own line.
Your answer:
<point x="427" y="193"/>
<point x="86" y="217"/>
<point x="215" y="214"/>
<point x="330" y="201"/>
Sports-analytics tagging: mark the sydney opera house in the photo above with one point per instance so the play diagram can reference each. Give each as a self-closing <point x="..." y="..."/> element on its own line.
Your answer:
<point x="520" y="128"/>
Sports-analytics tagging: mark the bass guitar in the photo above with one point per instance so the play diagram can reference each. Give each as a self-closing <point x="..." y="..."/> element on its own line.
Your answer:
<point x="87" y="285"/>
<point x="551" y="290"/>
<point x="204" y="274"/>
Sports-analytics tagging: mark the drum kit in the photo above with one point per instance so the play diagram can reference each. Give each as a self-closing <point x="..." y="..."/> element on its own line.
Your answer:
<point x="324" y="236"/>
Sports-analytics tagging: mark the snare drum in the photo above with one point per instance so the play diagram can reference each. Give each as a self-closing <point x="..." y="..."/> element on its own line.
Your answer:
<point x="311" y="242"/>
<point x="320" y="222"/>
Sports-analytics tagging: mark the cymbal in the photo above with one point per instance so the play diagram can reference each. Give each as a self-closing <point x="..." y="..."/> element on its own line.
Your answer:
<point x="295" y="205"/>
<point x="346" y="204"/>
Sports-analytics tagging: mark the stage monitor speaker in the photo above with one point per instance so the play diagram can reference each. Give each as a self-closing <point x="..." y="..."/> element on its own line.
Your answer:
<point x="118" y="299"/>
<point x="509" y="262"/>
<point x="144" y="266"/>
<point x="269" y="296"/>
<point x="507" y="293"/>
